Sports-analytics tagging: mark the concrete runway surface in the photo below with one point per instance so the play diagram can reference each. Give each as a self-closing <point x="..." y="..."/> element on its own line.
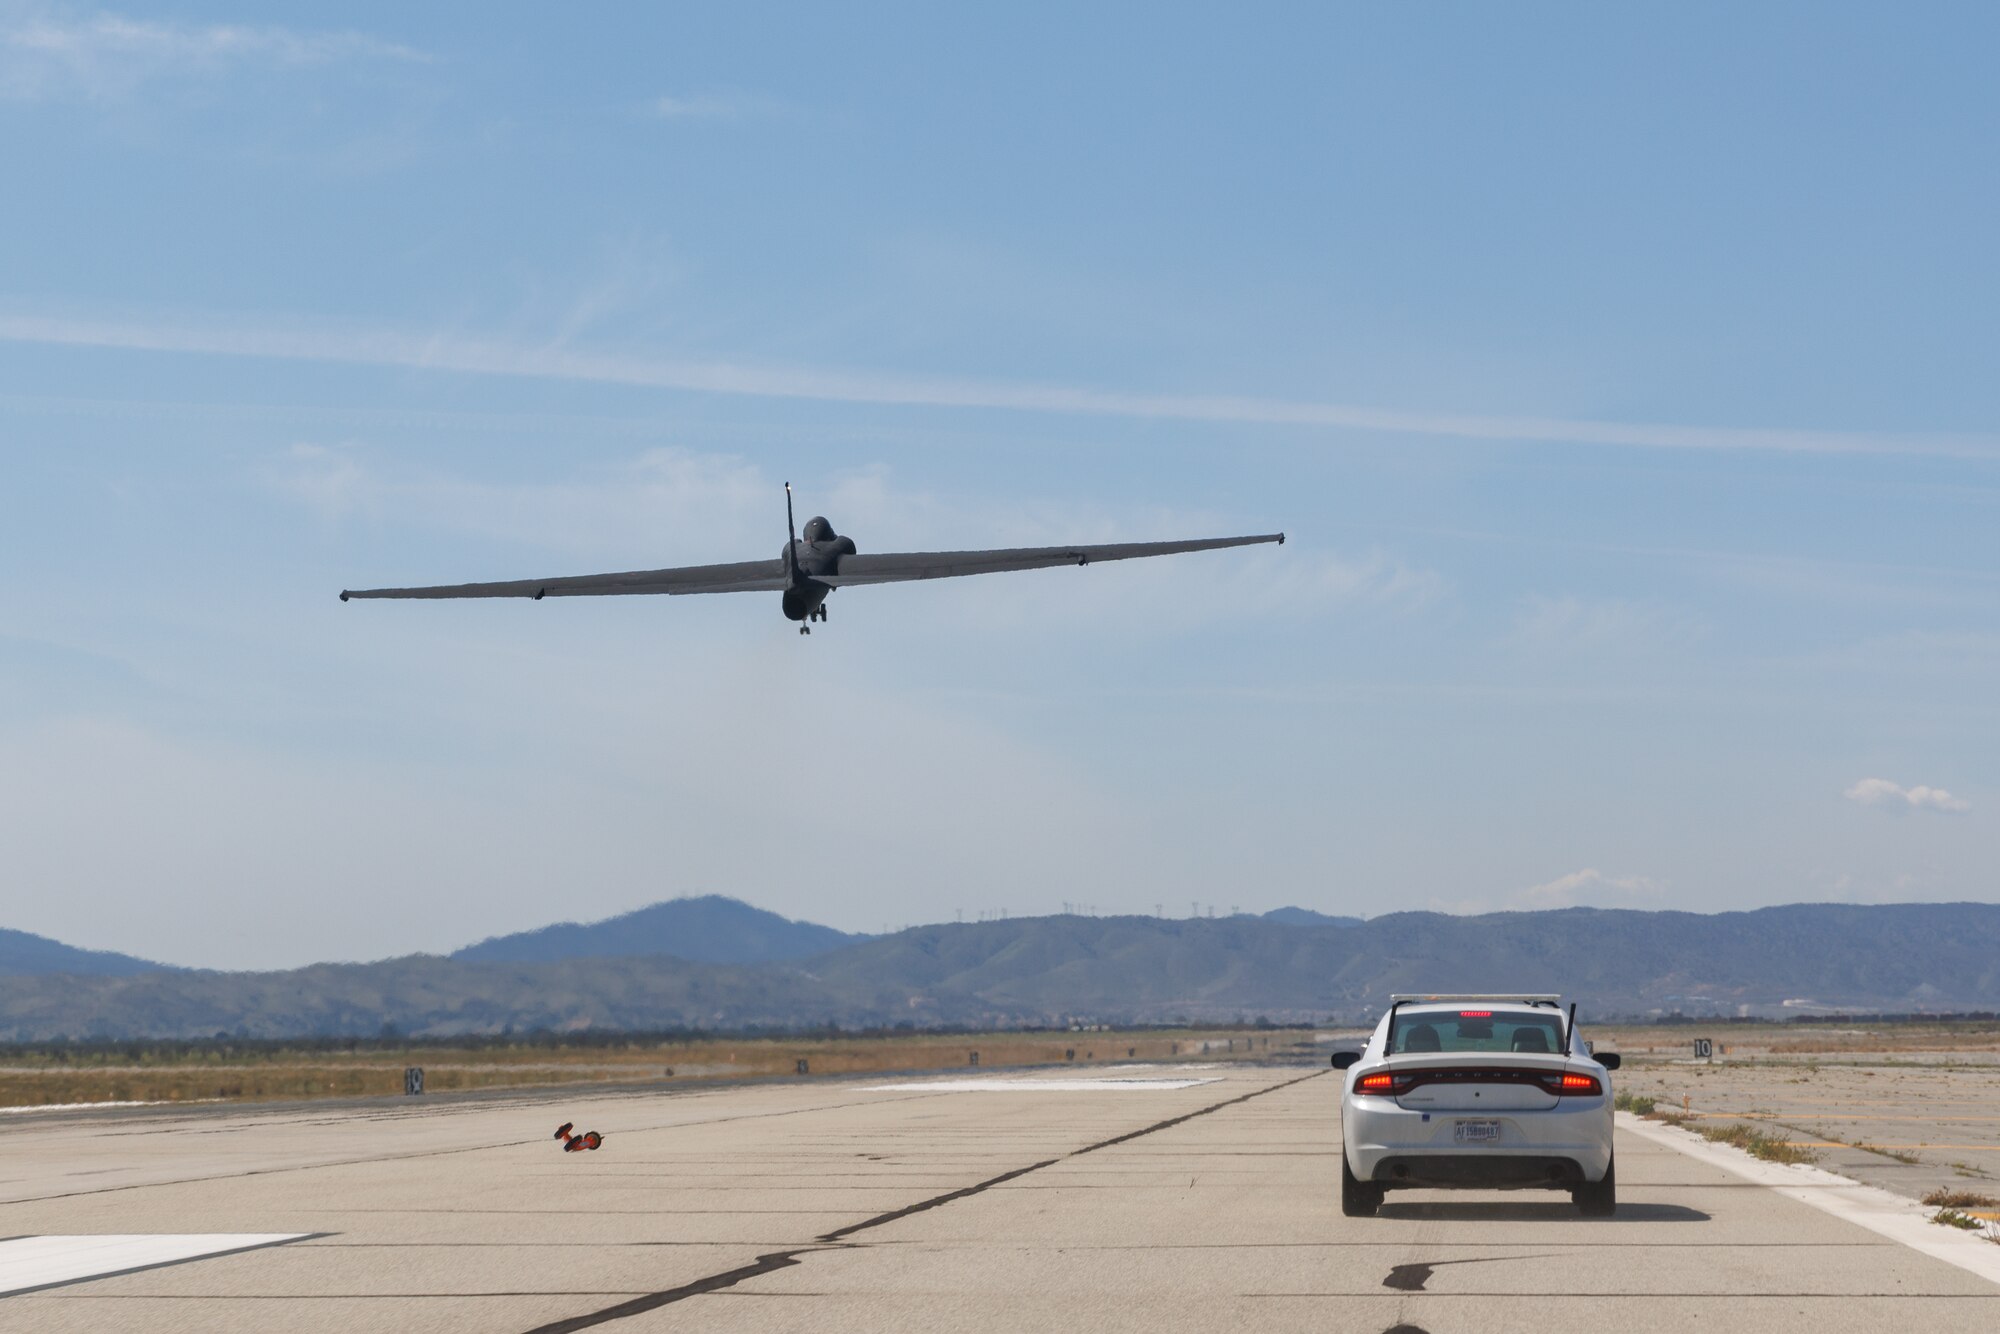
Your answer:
<point x="847" y="1205"/>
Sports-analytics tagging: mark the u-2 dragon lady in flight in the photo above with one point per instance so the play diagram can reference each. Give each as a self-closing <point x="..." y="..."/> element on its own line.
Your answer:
<point x="810" y="568"/>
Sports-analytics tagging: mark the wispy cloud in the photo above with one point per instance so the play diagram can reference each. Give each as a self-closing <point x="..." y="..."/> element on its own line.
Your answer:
<point x="1566" y="891"/>
<point x="1608" y="627"/>
<point x="51" y="54"/>
<point x="388" y="347"/>
<point x="1885" y="795"/>
<point x="710" y="106"/>
<point x="1882" y="886"/>
<point x="702" y="503"/>
<point x="1589" y="886"/>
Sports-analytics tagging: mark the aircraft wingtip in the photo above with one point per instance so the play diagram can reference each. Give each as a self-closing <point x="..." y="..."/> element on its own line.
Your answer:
<point x="343" y="595"/>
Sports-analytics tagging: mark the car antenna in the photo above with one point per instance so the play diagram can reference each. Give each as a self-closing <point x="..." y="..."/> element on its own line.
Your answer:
<point x="1569" y="1032"/>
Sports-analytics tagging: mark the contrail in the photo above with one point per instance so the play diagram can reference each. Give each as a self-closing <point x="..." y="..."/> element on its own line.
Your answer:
<point x="385" y="347"/>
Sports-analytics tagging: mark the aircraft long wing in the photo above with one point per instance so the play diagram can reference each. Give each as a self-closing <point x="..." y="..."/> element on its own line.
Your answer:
<point x="895" y="567"/>
<point x="750" y="576"/>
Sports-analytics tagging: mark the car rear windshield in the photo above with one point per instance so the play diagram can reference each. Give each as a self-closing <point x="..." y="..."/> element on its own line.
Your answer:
<point x="1448" y="1031"/>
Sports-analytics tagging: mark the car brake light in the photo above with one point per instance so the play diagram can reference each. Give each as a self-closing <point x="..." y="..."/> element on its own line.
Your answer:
<point x="1579" y="1086"/>
<point x="1475" y="1014"/>
<point x="1388" y="1083"/>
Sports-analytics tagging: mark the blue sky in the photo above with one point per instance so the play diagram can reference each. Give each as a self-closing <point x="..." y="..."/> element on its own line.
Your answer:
<point x="1623" y="377"/>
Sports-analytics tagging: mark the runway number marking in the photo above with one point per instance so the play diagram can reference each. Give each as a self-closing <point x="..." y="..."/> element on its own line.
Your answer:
<point x="31" y="1263"/>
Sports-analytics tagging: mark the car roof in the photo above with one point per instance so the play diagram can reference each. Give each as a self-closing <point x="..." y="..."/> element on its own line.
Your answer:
<point x="1457" y="1006"/>
<point x="1483" y="997"/>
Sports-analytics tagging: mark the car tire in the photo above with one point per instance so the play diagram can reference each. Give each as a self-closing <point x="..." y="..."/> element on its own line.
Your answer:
<point x="1358" y="1198"/>
<point x="1598" y="1199"/>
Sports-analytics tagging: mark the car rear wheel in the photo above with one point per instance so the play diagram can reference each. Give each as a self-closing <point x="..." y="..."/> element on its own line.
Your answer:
<point x="1598" y="1199"/>
<point x="1358" y="1198"/>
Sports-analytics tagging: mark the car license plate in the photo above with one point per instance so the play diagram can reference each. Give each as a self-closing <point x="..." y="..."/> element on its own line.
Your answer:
<point x="1476" y="1132"/>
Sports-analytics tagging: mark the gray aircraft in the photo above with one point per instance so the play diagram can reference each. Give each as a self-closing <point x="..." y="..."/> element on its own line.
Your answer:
<point x="810" y="568"/>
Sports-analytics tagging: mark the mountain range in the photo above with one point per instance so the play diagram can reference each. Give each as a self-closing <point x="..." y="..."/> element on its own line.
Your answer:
<point x="1051" y="970"/>
<point x="708" y="929"/>
<point x="23" y="953"/>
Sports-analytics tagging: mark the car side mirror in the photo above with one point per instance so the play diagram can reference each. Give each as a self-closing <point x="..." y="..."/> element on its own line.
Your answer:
<point x="1343" y="1059"/>
<point x="1610" y="1060"/>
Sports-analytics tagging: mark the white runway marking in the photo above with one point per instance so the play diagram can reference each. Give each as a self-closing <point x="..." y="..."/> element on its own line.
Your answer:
<point x="1888" y="1215"/>
<point x="1029" y="1085"/>
<point x="87" y="1106"/>
<point x="27" y="1263"/>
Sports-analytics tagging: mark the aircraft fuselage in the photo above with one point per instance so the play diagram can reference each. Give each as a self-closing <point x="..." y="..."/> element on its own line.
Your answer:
<point x="818" y="552"/>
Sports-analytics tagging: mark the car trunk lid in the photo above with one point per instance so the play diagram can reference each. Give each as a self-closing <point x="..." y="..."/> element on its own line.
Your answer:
<point x="1478" y="1081"/>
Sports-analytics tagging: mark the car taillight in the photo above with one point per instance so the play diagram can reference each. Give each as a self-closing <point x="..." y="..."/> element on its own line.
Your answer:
<point x="1385" y="1083"/>
<point x="1585" y="1086"/>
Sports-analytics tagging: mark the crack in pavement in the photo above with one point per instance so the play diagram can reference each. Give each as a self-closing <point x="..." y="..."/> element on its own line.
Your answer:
<point x="766" y="1264"/>
<point x="652" y="1301"/>
<point x="937" y="1200"/>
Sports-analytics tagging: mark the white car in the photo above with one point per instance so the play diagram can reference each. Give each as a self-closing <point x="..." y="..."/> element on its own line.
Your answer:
<point x="1476" y="1092"/>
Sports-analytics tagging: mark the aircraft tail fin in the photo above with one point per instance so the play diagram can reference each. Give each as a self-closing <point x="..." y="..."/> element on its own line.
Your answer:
<point x="792" y="538"/>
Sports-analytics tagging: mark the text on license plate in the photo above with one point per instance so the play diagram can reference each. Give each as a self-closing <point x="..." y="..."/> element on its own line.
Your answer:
<point x="1476" y="1132"/>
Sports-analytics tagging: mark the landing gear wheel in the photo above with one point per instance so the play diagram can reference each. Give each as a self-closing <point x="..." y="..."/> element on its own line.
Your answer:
<point x="805" y="629"/>
<point x="1358" y="1198"/>
<point x="1598" y="1199"/>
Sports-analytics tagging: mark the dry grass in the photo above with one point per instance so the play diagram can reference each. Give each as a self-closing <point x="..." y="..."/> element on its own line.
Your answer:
<point x="1953" y="1218"/>
<point x="1945" y="1198"/>
<point x="1755" y="1142"/>
<point x="1771" y="1148"/>
<point x="206" y="1072"/>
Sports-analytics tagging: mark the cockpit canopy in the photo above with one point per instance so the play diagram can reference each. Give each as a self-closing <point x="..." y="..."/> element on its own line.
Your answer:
<point x="819" y="530"/>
